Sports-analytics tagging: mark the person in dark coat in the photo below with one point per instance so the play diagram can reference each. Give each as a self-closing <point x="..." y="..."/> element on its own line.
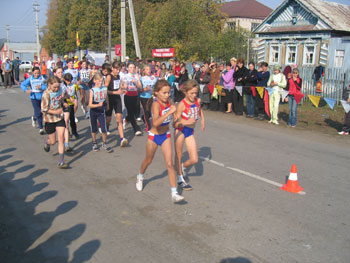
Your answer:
<point x="263" y="78"/>
<point x="204" y="93"/>
<point x="183" y="77"/>
<point x="249" y="90"/>
<point x="240" y="77"/>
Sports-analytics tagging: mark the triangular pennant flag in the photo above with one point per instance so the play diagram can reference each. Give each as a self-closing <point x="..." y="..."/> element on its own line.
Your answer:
<point x="270" y="91"/>
<point x="284" y="94"/>
<point x="266" y="103"/>
<point x="315" y="100"/>
<point x="330" y="102"/>
<point x="260" y="91"/>
<point x="239" y="89"/>
<point x="177" y="85"/>
<point x="253" y="91"/>
<point x="298" y="97"/>
<point x="346" y="105"/>
<point x="219" y="87"/>
<point x="201" y="87"/>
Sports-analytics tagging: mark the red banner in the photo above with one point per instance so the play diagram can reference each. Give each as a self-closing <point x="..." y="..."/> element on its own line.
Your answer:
<point x="163" y="52"/>
<point x="118" y="50"/>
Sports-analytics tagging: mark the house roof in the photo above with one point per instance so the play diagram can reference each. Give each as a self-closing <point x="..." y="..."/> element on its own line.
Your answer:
<point x="330" y="15"/>
<point x="22" y="47"/>
<point x="246" y="9"/>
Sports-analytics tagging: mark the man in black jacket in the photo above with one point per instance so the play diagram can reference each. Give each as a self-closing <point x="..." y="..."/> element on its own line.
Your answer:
<point x="240" y="77"/>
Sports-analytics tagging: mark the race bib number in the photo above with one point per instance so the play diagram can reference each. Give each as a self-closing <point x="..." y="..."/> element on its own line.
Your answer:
<point x="55" y="100"/>
<point x="100" y="95"/>
<point x="70" y="90"/>
<point x="116" y="84"/>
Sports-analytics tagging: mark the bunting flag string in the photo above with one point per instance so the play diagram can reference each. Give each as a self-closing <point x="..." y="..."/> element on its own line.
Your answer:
<point x="330" y="102"/>
<point x="239" y="89"/>
<point x="346" y="105"/>
<point x="266" y="103"/>
<point x="284" y="94"/>
<point x="260" y="91"/>
<point x="298" y="97"/>
<point x="270" y="91"/>
<point x="201" y="87"/>
<point x="315" y="100"/>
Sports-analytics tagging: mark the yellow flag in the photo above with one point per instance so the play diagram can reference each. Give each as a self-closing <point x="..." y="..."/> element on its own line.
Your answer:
<point x="77" y="38"/>
<point x="260" y="91"/>
<point x="219" y="87"/>
<point x="315" y="100"/>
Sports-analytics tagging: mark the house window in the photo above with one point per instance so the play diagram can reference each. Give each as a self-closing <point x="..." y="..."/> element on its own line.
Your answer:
<point x="309" y="55"/>
<point x="254" y="26"/>
<point x="339" y="58"/>
<point x="231" y="25"/>
<point x="291" y="56"/>
<point x="275" y="55"/>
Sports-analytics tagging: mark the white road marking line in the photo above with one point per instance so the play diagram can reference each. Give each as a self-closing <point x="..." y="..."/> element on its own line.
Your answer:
<point x="258" y="177"/>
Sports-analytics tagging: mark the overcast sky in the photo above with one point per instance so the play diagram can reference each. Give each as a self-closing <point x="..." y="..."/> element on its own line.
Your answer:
<point x="19" y="15"/>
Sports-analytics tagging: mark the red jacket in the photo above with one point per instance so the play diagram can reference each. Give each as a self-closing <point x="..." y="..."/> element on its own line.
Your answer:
<point x="294" y="86"/>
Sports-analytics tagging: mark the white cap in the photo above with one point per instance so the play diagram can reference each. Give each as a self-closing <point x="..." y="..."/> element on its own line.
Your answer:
<point x="126" y="57"/>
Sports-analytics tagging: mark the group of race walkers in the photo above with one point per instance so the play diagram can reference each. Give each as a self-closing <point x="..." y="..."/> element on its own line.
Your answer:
<point x="122" y="89"/>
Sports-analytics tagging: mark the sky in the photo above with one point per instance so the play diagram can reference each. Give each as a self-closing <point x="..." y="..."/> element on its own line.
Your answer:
<point x="19" y="15"/>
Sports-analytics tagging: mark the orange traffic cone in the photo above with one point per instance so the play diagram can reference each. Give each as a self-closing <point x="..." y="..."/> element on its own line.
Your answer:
<point x="292" y="183"/>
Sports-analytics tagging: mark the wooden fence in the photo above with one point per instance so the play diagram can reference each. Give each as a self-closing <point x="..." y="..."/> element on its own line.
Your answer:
<point x="333" y="82"/>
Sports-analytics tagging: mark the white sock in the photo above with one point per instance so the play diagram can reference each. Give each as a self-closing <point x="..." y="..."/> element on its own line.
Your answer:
<point x="180" y="178"/>
<point x="173" y="190"/>
<point x="140" y="176"/>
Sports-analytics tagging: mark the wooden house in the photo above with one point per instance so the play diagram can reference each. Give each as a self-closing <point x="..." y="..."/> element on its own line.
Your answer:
<point x="306" y="33"/>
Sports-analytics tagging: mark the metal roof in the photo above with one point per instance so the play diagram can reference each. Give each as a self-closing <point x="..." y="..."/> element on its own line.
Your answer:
<point x="331" y="16"/>
<point x="246" y="9"/>
<point x="22" y="47"/>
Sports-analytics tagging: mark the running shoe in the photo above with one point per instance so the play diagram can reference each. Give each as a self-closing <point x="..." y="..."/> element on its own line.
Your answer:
<point x="138" y="133"/>
<point x="139" y="119"/>
<point x="270" y="121"/>
<point x="41" y="131"/>
<point x="107" y="148"/>
<point x="343" y="133"/>
<point x="95" y="147"/>
<point x="185" y="186"/>
<point x="276" y="122"/>
<point x="62" y="165"/>
<point x="139" y="184"/>
<point x="33" y="122"/>
<point x="99" y="130"/>
<point x="176" y="198"/>
<point x="124" y="142"/>
<point x="76" y="120"/>
<point x="68" y="149"/>
<point x="46" y="147"/>
<point x="108" y="133"/>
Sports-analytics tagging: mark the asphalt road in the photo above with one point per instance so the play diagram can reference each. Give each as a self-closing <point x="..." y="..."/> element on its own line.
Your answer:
<point x="235" y="213"/>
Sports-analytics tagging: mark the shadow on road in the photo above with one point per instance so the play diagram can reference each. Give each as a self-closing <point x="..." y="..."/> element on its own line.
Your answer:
<point x="25" y="234"/>
<point x="236" y="260"/>
<point x="334" y="124"/>
<point x="4" y="126"/>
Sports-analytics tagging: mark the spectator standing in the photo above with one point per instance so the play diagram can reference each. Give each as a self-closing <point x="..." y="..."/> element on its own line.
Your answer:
<point x="346" y="128"/>
<point x="229" y="85"/>
<point x="249" y="88"/>
<point x="240" y="76"/>
<point x="294" y="85"/>
<point x="7" y="68"/>
<point x="204" y="93"/>
<point x="15" y="65"/>
<point x="263" y="78"/>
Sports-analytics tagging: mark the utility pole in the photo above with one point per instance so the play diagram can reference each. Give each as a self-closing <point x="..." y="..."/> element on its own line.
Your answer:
<point x="123" y="34"/>
<point x="7" y="41"/>
<point x="36" y="10"/>
<point x="109" y="27"/>
<point x="134" y="29"/>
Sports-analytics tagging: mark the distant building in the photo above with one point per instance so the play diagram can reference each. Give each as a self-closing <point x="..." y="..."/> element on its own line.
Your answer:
<point x="306" y="33"/>
<point x="247" y="14"/>
<point x="25" y="51"/>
